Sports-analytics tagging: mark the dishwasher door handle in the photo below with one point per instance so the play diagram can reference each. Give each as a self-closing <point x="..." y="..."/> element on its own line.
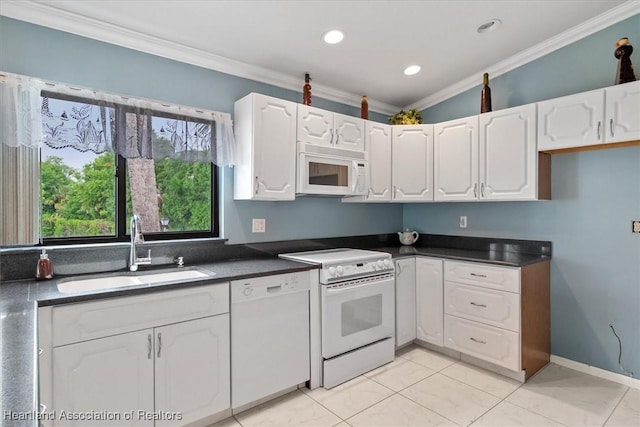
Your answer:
<point x="274" y="289"/>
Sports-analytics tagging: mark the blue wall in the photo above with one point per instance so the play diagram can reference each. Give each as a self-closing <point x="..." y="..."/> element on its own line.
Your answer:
<point x="595" y="276"/>
<point x="57" y="56"/>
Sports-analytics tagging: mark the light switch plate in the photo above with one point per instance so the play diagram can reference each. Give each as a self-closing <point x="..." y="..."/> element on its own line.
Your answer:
<point x="259" y="225"/>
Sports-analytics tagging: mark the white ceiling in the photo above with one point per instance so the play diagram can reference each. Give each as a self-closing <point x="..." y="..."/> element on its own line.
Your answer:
<point x="277" y="41"/>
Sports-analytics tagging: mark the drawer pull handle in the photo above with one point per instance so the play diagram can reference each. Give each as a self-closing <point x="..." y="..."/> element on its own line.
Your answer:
<point x="149" y="346"/>
<point x="478" y="305"/>
<point x="159" y="343"/>
<point x="478" y="341"/>
<point x="478" y="275"/>
<point x="611" y="126"/>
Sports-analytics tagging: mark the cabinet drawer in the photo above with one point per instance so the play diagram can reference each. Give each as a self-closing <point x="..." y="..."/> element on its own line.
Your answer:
<point x="494" y="345"/>
<point x="471" y="273"/>
<point x="91" y="320"/>
<point x="496" y="308"/>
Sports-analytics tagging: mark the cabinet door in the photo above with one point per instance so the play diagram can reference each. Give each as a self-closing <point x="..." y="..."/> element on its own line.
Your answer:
<point x="571" y="121"/>
<point x="274" y="149"/>
<point x="405" y="301"/>
<point x="429" y="300"/>
<point x="193" y="369"/>
<point x="456" y="160"/>
<point x="349" y="132"/>
<point x="623" y="112"/>
<point x="412" y="163"/>
<point x="508" y="154"/>
<point x="315" y="126"/>
<point x="113" y="374"/>
<point x="378" y="145"/>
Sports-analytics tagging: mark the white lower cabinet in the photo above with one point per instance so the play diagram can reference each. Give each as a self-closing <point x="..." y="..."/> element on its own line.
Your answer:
<point x="495" y="345"/>
<point x="405" y="301"/>
<point x="492" y="313"/>
<point x="429" y="278"/>
<point x="169" y="374"/>
<point x="419" y="300"/>
<point x="112" y="374"/>
<point x="192" y="374"/>
<point x="498" y="314"/>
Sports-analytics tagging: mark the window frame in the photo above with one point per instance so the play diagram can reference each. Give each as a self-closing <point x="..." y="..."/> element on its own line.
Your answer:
<point x="120" y="207"/>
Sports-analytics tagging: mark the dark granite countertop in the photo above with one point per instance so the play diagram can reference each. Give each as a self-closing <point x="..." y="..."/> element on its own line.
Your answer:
<point x="20" y="299"/>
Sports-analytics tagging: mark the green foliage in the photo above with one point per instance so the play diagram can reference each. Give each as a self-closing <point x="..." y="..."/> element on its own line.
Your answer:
<point x="93" y="196"/>
<point x="82" y="203"/>
<point x="411" y="117"/>
<point x="56" y="181"/>
<point x="185" y="189"/>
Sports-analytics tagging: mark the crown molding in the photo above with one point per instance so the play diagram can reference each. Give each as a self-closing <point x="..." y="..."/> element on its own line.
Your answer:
<point x="613" y="16"/>
<point x="47" y="16"/>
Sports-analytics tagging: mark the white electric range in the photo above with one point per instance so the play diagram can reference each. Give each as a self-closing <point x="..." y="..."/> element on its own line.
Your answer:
<point x="352" y="330"/>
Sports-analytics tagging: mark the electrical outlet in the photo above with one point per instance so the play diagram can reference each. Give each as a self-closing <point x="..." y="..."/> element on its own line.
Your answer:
<point x="259" y="225"/>
<point x="635" y="226"/>
<point x="463" y="221"/>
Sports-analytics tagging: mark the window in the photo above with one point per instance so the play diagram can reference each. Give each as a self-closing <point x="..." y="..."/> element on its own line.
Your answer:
<point x="102" y="162"/>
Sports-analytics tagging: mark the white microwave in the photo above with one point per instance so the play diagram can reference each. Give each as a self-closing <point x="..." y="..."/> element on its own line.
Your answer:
<point x="331" y="171"/>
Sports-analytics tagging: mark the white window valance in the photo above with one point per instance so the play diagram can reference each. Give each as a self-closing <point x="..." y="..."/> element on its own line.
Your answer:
<point x="195" y="134"/>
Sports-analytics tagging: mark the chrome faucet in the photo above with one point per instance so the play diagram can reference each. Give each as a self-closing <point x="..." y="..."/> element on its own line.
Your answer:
<point x="137" y="237"/>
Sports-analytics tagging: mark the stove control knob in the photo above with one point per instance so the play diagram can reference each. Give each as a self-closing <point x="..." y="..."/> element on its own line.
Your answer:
<point x="380" y="264"/>
<point x="340" y="270"/>
<point x="247" y="291"/>
<point x="332" y="271"/>
<point x="387" y="263"/>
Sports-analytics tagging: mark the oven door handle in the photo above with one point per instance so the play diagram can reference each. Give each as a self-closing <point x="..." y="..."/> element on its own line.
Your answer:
<point x="349" y="288"/>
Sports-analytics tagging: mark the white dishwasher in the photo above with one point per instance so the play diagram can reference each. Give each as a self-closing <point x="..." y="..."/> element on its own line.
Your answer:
<point x="269" y="336"/>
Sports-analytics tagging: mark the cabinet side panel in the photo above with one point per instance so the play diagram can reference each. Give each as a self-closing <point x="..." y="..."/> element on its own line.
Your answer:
<point x="536" y="324"/>
<point x="544" y="176"/>
<point x="243" y="132"/>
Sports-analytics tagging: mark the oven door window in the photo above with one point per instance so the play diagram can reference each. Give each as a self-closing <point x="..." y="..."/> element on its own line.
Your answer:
<point x="328" y="174"/>
<point x="353" y="316"/>
<point x="361" y="314"/>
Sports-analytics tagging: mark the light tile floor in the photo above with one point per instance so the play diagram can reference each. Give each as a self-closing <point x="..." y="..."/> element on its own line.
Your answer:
<point x="422" y="388"/>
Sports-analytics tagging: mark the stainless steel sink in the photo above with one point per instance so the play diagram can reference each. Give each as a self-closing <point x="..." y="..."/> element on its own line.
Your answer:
<point x="123" y="279"/>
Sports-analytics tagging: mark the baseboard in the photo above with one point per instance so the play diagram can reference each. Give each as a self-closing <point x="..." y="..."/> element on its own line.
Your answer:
<point x="596" y="372"/>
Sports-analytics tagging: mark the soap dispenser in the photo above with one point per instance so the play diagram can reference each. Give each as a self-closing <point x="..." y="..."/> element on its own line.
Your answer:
<point x="44" y="270"/>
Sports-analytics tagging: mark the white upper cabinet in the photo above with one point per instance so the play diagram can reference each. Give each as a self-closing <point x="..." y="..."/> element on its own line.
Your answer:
<point x="321" y="127"/>
<point x="508" y="158"/>
<point x="456" y="159"/>
<point x="412" y="163"/>
<point x="571" y="121"/>
<point x="378" y="146"/>
<point x="622" y="112"/>
<point x="265" y="133"/>
<point x="590" y="118"/>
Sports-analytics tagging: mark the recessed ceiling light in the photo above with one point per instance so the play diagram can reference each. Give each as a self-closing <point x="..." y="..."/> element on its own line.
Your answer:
<point x="411" y="70"/>
<point x="333" y="36"/>
<point x="490" y="25"/>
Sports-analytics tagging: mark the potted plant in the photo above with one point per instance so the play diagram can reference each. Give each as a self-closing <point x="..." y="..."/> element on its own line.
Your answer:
<point x="411" y="117"/>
